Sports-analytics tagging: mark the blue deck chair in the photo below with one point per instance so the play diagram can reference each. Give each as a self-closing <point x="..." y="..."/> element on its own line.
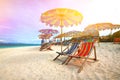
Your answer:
<point x="73" y="47"/>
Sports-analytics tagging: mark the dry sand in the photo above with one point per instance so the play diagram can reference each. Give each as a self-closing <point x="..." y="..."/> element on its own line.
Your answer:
<point x="28" y="63"/>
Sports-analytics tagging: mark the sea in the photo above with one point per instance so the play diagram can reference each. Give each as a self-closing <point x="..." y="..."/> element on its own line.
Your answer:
<point x="17" y="45"/>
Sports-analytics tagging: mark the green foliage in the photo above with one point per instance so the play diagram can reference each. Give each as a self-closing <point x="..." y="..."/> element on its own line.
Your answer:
<point x="116" y="34"/>
<point x="109" y="38"/>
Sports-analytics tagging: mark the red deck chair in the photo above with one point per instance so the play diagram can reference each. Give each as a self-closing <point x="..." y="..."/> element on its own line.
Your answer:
<point x="83" y="52"/>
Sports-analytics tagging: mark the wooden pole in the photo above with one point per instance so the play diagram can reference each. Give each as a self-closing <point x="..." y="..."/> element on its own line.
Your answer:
<point x="111" y="35"/>
<point x="95" y="53"/>
<point x="61" y="39"/>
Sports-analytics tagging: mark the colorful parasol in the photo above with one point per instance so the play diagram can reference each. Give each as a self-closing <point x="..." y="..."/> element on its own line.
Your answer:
<point x="45" y="36"/>
<point x="99" y="26"/>
<point x="67" y="34"/>
<point x="61" y="17"/>
<point x="102" y="26"/>
<point x="116" y="26"/>
<point x="48" y="31"/>
<point x="87" y="34"/>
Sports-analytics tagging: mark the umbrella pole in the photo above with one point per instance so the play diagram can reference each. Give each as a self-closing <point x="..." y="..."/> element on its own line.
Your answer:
<point x="111" y="32"/>
<point x="98" y="38"/>
<point x="111" y="35"/>
<point x="61" y="39"/>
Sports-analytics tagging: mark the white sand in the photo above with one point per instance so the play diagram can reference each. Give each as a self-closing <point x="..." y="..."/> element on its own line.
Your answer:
<point x="28" y="63"/>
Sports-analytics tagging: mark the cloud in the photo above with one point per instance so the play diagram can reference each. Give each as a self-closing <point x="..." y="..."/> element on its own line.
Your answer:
<point x="3" y="41"/>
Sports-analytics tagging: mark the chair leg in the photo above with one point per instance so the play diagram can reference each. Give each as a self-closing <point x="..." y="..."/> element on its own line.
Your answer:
<point x="65" y="60"/>
<point x="95" y="53"/>
<point x="56" y="57"/>
<point x="80" y="69"/>
<point x="68" y="60"/>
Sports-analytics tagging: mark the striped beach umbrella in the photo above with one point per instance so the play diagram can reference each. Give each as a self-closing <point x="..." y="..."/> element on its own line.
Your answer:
<point x="99" y="26"/>
<point x="48" y="31"/>
<point x="61" y="17"/>
<point x="44" y="37"/>
<point x="103" y="26"/>
<point x="67" y="34"/>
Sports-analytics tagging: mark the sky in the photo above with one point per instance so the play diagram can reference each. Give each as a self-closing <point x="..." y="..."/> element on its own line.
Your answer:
<point x="20" y="19"/>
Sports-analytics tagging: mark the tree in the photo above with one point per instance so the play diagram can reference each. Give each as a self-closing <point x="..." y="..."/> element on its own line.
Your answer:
<point x="116" y="34"/>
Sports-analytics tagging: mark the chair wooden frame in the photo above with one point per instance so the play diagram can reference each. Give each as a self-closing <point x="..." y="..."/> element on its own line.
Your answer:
<point x="83" y="52"/>
<point x="73" y="47"/>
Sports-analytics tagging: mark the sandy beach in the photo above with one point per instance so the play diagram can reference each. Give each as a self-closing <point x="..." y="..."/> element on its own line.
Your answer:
<point x="28" y="63"/>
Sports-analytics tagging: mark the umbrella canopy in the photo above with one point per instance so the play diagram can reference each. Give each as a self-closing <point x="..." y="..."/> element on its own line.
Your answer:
<point x="116" y="26"/>
<point x="99" y="26"/>
<point x="45" y="36"/>
<point x="102" y="26"/>
<point x="60" y="35"/>
<point x="67" y="34"/>
<point x="87" y="34"/>
<point x="61" y="17"/>
<point x="71" y="33"/>
<point x="48" y="31"/>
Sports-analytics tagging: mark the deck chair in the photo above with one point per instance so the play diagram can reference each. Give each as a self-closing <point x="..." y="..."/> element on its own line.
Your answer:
<point x="116" y="40"/>
<point x="46" y="46"/>
<point x="83" y="52"/>
<point x="70" y="50"/>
